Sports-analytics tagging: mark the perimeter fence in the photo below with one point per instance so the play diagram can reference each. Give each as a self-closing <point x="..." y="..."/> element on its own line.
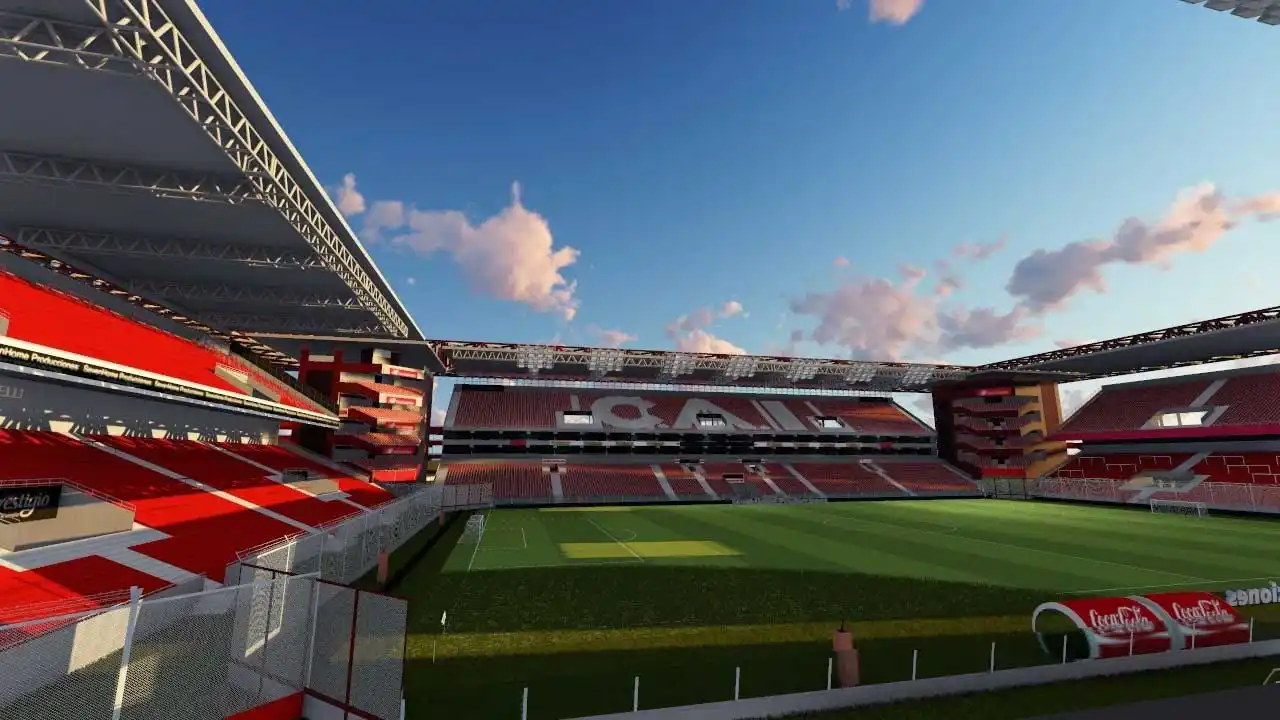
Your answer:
<point x="212" y="654"/>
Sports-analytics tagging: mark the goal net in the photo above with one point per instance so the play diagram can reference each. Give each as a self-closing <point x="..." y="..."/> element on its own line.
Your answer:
<point x="1179" y="507"/>
<point x="474" y="531"/>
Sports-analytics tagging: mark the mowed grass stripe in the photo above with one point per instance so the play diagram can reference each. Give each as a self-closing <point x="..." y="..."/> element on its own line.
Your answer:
<point x="547" y="642"/>
<point x="1151" y="553"/>
<point x="989" y="562"/>
<point x="870" y="557"/>
<point x="1122" y="518"/>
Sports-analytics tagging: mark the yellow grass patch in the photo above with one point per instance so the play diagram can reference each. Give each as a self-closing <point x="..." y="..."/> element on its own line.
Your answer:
<point x="651" y="549"/>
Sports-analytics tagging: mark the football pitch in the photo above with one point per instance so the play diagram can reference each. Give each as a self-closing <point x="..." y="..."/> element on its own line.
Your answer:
<point x="575" y="603"/>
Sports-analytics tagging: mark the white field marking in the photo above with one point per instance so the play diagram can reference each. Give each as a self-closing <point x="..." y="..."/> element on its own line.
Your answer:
<point x="615" y="539"/>
<point x="1043" y="552"/>
<point x="633" y="535"/>
<point x="572" y="563"/>
<point x="524" y="543"/>
<point x="473" y="552"/>
<point x="1167" y="585"/>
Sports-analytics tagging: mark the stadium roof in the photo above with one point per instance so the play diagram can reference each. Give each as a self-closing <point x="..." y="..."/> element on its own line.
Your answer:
<point x="141" y="155"/>
<point x="500" y="360"/>
<point x="1264" y="11"/>
<point x="1233" y="337"/>
<point x="144" y="163"/>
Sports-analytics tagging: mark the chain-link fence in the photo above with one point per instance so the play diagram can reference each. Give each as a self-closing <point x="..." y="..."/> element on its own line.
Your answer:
<point x="1222" y="496"/>
<point x="210" y="655"/>
<point x="347" y="550"/>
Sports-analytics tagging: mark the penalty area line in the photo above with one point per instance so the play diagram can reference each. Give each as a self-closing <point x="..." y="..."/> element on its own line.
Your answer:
<point x="614" y="538"/>
<point x="1169" y="585"/>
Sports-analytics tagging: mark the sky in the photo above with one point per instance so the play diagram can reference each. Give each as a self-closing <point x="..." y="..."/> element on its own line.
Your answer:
<point x="957" y="181"/>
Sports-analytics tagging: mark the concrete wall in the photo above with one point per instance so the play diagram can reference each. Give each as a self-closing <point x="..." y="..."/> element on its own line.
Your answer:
<point x="28" y="404"/>
<point x="79" y="516"/>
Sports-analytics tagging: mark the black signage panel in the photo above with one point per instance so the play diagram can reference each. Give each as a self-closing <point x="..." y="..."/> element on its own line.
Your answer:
<point x="28" y="503"/>
<point x="45" y="361"/>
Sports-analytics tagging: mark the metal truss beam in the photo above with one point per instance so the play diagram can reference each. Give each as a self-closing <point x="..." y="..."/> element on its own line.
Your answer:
<point x="80" y="243"/>
<point x="663" y="367"/>
<point x="134" y="180"/>
<point x="1229" y="322"/>
<point x="1264" y="11"/>
<point x="228" y="293"/>
<point x="253" y="322"/>
<point x="144" y="32"/>
<point x="41" y="40"/>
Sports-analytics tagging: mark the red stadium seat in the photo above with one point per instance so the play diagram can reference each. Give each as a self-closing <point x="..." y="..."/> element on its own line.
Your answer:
<point x="924" y="478"/>
<point x="587" y="482"/>
<point x="511" y="481"/>
<point x="235" y="477"/>
<point x="205" y="531"/>
<point x="1129" y="407"/>
<point x="845" y="479"/>
<point x="54" y="319"/>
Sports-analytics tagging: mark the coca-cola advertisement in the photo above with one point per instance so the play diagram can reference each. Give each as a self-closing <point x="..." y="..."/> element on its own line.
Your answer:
<point x="1104" y="627"/>
<point x="1199" y="619"/>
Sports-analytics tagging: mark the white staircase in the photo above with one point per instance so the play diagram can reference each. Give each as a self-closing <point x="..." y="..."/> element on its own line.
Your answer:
<point x="803" y="480"/>
<point x="880" y="471"/>
<point x="662" y="480"/>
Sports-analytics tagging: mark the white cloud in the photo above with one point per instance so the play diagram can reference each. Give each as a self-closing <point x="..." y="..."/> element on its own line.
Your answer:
<point x="437" y="416"/>
<point x="1063" y="343"/>
<point x="689" y="332"/>
<point x="411" y="280"/>
<point x="978" y="251"/>
<point x="895" y="12"/>
<point x="611" y="338"/>
<point x="701" y="341"/>
<point x="510" y="256"/>
<point x="841" y="262"/>
<point x="879" y="319"/>
<point x="348" y="199"/>
<point x="1198" y="218"/>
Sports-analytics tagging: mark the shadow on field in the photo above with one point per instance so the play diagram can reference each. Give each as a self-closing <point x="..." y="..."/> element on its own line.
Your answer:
<point x="587" y="598"/>
<point x="574" y="684"/>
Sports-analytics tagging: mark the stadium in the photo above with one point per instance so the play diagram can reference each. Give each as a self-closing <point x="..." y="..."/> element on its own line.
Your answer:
<point x="222" y="494"/>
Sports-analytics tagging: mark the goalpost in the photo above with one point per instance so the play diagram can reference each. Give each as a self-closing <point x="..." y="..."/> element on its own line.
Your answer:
<point x="1179" y="507"/>
<point x="474" y="530"/>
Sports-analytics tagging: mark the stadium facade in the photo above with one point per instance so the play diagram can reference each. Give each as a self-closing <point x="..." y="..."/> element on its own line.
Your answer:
<point x="215" y="409"/>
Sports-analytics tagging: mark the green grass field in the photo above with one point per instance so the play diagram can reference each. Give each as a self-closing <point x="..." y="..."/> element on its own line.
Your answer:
<point x="574" y="603"/>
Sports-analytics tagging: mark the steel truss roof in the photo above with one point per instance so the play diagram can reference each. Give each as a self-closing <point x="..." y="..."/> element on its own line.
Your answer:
<point x="1234" y="337"/>
<point x="203" y="212"/>
<point x="1264" y="11"/>
<point x="499" y="360"/>
<point x="108" y="210"/>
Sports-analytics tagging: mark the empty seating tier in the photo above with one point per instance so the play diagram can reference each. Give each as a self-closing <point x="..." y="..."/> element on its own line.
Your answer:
<point x="511" y="481"/>
<point x="1230" y="467"/>
<point x="928" y="477"/>
<point x="683" y="483"/>
<point x="71" y="586"/>
<point x="517" y="408"/>
<point x="281" y="459"/>
<point x="586" y="482"/>
<point x="846" y="479"/>
<point x="205" y="531"/>
<point x="54" y="319"/>
<point x="1119" y="466"/>
<point x="1130" y="407"/>
<point x="233" y="476"/>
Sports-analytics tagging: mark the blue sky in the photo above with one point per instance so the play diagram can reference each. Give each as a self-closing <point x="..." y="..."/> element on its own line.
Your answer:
<point x="696" y="173"/>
